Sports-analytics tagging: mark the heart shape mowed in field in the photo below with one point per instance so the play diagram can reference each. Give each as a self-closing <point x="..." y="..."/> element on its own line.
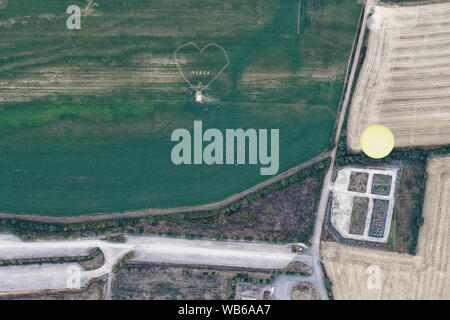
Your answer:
<point x="201" y="67"/>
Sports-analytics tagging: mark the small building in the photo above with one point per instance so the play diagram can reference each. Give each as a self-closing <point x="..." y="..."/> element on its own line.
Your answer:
<point x="198" y="96"/>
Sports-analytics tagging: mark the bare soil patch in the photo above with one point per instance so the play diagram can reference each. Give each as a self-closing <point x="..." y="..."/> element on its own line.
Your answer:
<point x="94" y="263"/>
<point x="359" y="214"/>
<point x="157" y="282"/>
<point x="358" y="182"/>
<point x="305" y="291"/>
<point x="257" y="291"/>
<point x="298" y="267"/>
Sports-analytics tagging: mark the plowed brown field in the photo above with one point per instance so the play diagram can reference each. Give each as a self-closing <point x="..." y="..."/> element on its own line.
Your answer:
<point x="404" y="82"/>
<point x="424" y="276"/>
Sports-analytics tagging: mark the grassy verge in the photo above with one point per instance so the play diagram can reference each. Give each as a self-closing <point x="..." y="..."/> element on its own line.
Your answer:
<point x="123" y="261"/>
<point x="25" y="261"/>
<point x="328" y="284"/>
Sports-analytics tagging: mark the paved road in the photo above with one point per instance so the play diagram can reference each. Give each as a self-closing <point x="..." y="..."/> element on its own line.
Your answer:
<point x="240" y="254"/>
<point x="283" y="285"/>
<point x="317" y="272"/>
<point x="108" y="286"/>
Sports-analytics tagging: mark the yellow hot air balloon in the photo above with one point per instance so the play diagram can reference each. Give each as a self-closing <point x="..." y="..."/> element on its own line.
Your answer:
<point x="377" y="141"/>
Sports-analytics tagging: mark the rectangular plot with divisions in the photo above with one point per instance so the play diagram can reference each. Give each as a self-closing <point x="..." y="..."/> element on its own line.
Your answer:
<point x="378" y="219"/>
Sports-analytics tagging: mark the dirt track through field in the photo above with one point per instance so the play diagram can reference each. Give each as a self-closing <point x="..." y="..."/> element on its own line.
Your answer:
<point x="404" y="82"/>
<point x="424" y="276"/>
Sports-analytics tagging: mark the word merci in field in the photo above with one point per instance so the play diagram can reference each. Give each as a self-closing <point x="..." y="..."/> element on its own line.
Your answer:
<point x="221" y="150"/>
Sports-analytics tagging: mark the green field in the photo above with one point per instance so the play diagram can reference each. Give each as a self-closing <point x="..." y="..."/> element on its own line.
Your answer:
<point x="86" y="115"/>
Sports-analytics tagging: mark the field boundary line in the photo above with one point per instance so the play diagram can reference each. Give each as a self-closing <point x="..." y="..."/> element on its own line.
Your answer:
<point x="410" y="3"/>
<point x="353" y="59"/>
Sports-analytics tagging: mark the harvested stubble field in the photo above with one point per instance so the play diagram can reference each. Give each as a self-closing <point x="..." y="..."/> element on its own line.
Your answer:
<point x="404" y="82"/>
<point x="87" y="114"/>
<point x="424" y="276"/>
